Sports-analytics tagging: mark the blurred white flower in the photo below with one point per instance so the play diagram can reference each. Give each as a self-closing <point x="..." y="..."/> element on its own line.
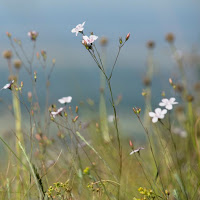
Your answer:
<point x="65" y="100"/>
<point x="168" y="103"/>
<point x="178" y="131"/>
<point x="136" y="150"/>
<point x="78" y="28"/>
<point x="111" y="118"/>
<point x="58" y="112"/>
<point x="89" y="40"/>
<point x="158" y="114"/>
<point x="8" y="85"/>
<point x="178" y="55"/>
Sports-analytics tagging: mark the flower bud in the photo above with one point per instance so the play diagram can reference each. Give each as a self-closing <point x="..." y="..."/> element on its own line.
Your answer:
<point x="38" y="55"/>
<point x="120" y="40"/>
<point x="35" y="75"/>
<point x="29" y="96"/>
<point x="8" y="34"/>
<point x="76" y="109"/>
<point x="53" y="61"/>
<point x="127" y="36"/>
<point x="75" y="119"/>
<point x="130" y="143"/>
<point x="44" y="55"/>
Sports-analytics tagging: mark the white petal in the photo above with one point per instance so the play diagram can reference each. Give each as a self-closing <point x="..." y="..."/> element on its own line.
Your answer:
<point x="161" y="116"/>
<point x="169" y="107"/>
<point x="164" y="111"/>
<point x="65" y="100"/>
<point x="93" y="37"/>
<point x="152" y="114"/>
<point x="172" y="100"/>
<point x="83" y="24"/>
<point x="73" y="30"/>
<point x="154" y="119"/>
<point x="162" y="104"/>
<point x="165" y="100"/>
<point x="86" y="38"/>
<point x="60" y="110"/>
<point x="54" y="113"/>
<point x="157" y="111"/>
<point x="61" y="101"/>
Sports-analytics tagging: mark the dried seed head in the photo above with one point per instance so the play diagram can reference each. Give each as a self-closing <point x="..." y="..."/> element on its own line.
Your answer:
<point x="150" y="44"/>
<point x="190" y="98"/>
<point x="7" y="54"/>
<point x="170" y="37"/>
<point x="103" y="41"/>
<point x="197" y="86"/>
<point x="12" y="77"/>
<point x="179" y="88"/>
<point x="147" y="81"/>
<point x="17" y="64"/>
<point x="179" y="109"/>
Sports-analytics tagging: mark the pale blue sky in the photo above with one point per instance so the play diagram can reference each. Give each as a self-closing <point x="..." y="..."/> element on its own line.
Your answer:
<point x="144" y="19"/>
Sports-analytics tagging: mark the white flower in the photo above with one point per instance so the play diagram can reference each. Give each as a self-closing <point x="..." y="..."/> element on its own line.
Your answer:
<point x="180" y="132"/>
<point x="111" y="118"/>
<point x="136" y="150"/>
<point x="168" y="103"/>
<point x="78" y="28"/>
<point x="159" y="114"/>
<point x="58" y="112"/>
<point x="8" y="86"/>
<point x="33" y="35"/>
<point x="65" y="100"/>
<point x="89" y="40"/>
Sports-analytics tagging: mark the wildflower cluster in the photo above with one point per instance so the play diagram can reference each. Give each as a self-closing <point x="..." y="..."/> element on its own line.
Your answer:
<point x="147" y="194"/>
<point x="59" y="190"/>
<point x="159" y="113"/>
<point x="63" y="100"/>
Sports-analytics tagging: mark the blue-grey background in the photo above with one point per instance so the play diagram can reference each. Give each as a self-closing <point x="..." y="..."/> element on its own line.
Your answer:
<point x="76" y="73"/>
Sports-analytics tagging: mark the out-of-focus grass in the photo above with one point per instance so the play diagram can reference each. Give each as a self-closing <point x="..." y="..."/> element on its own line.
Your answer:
<point x="75" y="157"/>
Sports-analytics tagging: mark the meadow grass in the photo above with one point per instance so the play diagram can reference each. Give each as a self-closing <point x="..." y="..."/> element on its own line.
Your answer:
<point x="59" y="156"/>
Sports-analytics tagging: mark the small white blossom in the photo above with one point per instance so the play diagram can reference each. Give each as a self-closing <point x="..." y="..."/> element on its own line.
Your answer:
<point x="136" y="150"/>
<point x="158" y="114"/>
<point x="89" y="40"/>
<point x="178" y="131"/>
<point x="168" y="103"/>
<point x="111" y="118"/>
<point x="8" y="85"/>
<point x="65" y="100"/>
<point x="78" y="28"/>
<point x="58" y="112"/>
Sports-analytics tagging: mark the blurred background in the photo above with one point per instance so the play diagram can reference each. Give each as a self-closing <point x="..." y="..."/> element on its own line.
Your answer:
<point x="75" y="73"/>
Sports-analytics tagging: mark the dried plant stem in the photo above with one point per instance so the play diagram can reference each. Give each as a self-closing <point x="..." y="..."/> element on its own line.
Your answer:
<point x="152" y="152"/>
